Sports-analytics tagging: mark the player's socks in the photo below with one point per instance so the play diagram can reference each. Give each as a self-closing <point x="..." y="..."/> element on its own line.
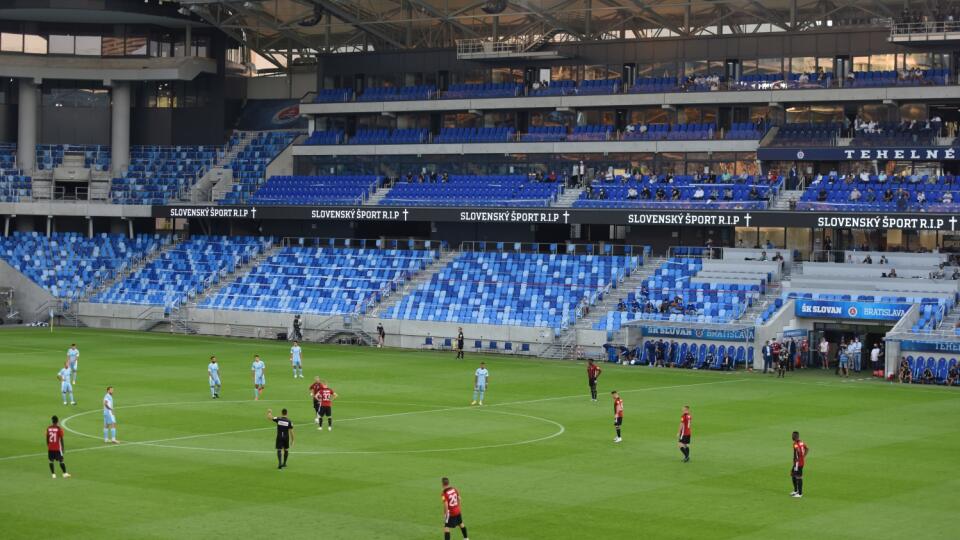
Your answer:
<point x="618" y="433"/>
<point x="446" y="536"/>
<point x="799" y="486"/>
<point x="113" y="434"/>
<point x="464" y="531"/>
<point x="794" y="480"/>
<point x="106" y="435"/>
<point x="63" y="467"/>
<point x="279" y="459"/>
<point x="52" y="471"/>
<point x="285" y="454"/>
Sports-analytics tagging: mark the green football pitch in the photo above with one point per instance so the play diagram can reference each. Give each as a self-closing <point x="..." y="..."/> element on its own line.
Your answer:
<point x="536" y="461"/>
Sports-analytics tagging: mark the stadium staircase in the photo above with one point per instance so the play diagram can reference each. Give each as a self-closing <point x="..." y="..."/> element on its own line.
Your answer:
<point x="216" y="182"/>
<point x="377" y="196"/>
<point x="229" y="278"/>
<point x="787" y="200"/>
<point x="124" y="272"/>
<point x="424" y="276"/>
<point x="568" y="197"/>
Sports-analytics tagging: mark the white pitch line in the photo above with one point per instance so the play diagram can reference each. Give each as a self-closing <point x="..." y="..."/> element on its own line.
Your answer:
<point x="157" y="441"/>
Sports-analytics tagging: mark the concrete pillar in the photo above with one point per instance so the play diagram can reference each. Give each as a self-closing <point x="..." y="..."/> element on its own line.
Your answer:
<point x="28" y="120"/>
<point x="6" y="226"/>
<point x="49" y="226"/>
<point x="90" y="227"/>
<point x="188" y="41"/>
<point x="130" y="229"/>
<point x="120" y="128"/>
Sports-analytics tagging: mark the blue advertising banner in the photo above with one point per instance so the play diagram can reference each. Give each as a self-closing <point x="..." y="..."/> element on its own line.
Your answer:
<point x="930" y="346"/>
<point x="940" y="153"/>
<point x="265" y="114"/>
<point x="712" y="334"/>
<point x="795" y="332"/>
<point x="838" y="309"/>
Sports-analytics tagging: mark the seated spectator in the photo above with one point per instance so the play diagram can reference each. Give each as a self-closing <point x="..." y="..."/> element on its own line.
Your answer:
<point x="892" y="272"/>
<point x="602" y="195"/>
<point x="921" y="197"/>
<point x="621" y="306"/>
<point x="661" y="194"/>
<point x="904" y="374"/>
<point x="883" y="259"/>
<point x="763" y="255"/>
<point x="947" y="197"/>
<point x="953" y="375"/>
<point x="645" y="193"/>
<point x="864" y="177"/>
<point x="956" y="274"/>
<point x="698" y="194"/>
<point x="882" y="177"/>
<point x="822" y="195"/>
<point x="902" y="202"/>
<point x="727" y="363"/>
<point x="728" y="194"/>
<point x="675" y="194"/>
<point x="927" y="376"/>
<point x="855" y="195"/>
<point x="777" y="257"/>
<point x="888" y="195"/>
<point x="867" y="260"/>
<point x="871" y="195"/>
<point x="714" y="195"/>
<point x="688" y="359"/>
<point x="632" y="193"/>
<point x="754" y="194"/>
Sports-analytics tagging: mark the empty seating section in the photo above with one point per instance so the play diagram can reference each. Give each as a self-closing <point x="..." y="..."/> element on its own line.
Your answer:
<point x="646" y="85"/>
<point x="917" y="193"/>
<point x="387" y="136"/>
<point x="822" y="134"/>
<point x="591" y="133"/>
<point x="810" y="80"/>
<point x="745" y="131"/>
<point x="544" y="134"/>
<point x="873" y="79"/>
<point x="512" y="288"/>
<point x="157" y="174"/>
<point x="324" y="280"/>
<point x="406" y="93"/>
<point x="476" y="135"/>
<point x="333" y="95"/>
<point x="346" y="190"/>
<point x="668" y="132"/>
<point x="325" y="137"/>
<point x="598" y="87"/>
<point x="684" y="191"/>
<point x="95" y="156"/>
<point x="502" y="190"/>
<point x="183" y="271"/>
<point x="14" y="185"/>
<point x="67" y="265"/>
<point x="250" y="165"/>
<point x="480" y="90"/>
<point x="671" y="294"/>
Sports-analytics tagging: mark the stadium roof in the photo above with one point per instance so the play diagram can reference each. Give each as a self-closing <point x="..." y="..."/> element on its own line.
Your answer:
<point x="310" y="27"/>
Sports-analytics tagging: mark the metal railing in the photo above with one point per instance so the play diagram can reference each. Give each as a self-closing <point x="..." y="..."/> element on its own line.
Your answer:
<point x="546" y="248"/>
<point x="941" y="29"/>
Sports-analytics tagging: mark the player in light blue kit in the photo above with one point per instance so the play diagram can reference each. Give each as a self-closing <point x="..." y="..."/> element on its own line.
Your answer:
<point x="73" y="360"/>
<point x="259" y="370"/>
<point x="65" y="387"/>
<point x="295" y="354"/>
<point x="213" y="375"/>
<point x="480" y="379"/>
<point x="109" y="418"/>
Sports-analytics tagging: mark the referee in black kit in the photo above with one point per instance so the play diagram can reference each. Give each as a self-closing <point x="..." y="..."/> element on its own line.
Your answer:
<point x="460" y="342"/>
<point x="284" y="436"/>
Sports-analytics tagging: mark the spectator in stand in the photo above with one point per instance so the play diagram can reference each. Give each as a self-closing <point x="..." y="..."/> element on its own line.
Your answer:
<point x="947" y="197"/>
<point x="921" y="198"/>
<point x="926" y="377"/>
<point x="661" y="194"/>
<point x="632" y="193"/>
<point x="953" y="375"/>
<point x="698" y="194"/>
<point x="726" y="364"/>
<point x="883" y="259"/>
<point x="822" y="195"/>
<point x="855" y="195"/>
<point x="892" y="273"/>
<point x="675" y="194"/>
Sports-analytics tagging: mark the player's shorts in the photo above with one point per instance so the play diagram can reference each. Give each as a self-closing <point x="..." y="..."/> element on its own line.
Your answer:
<point x="685" y="439"/>
<point x="480" y="388"/>
<point x="109" y="418"/>
<point x="296" y="363"/>
<point x="214" y="381"/>
<point x="283" y="443"/>
<point x="260" y="380"/>
<point x="592" y="382"/>
<point x="325" y="410"/>
<point x="54" y="455"/>
<point x="66" y="387"/>
<point x="453" y="521"/>
<point x="75" y="365"/>
<point x="796" y="471"/>
<point x="618" y="421"/>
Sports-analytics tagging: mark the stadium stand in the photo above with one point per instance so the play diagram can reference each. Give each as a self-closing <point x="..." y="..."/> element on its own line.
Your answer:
<point x="14" y="185"/>
<point x="183" y="271"/>
<point x="321" y="281"/>
<point x="250" y="165"/>
<point x="900" y="134"/>
<point x="392" y="93"/>
<point x="348" y="190"/>
<point x="647" y="85"/>
<point x="333" y="95"/>
<point x="919" y="193"/>
<point x="68" y="265"/>
<point x="325" y="137"/>
<point x="670" y="132"/>
<point x="592" y="133"/>
<point x="598" y="87"/>
<point x="806" y="134"/>
<point x="496" y="190"/>
<point x="50" y="156"/>
<point x="542" y="290"/>
<point x="544" y="134"/>
<point x="480" y="90"/>
<point x="686" y="191"/>
<point x="553" y="88"/>
<point x="158" y="174"/>
<point x="475" y="135"/>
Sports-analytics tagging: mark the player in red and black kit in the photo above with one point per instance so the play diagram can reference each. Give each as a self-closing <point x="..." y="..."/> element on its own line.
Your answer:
<point x="315" y="394"/>
<point x="684" y="436"/>
<point x="593" y="373"/>
<point x="617" y="414"/>
<point x="326" y="397"/>
<point x="55" y="446"/>
<point x="451" y="510"/>
<point x="800" y="451"/>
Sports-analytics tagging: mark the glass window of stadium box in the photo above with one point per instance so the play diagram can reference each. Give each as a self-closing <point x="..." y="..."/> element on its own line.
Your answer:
<point x="553" y="118"/>
<point x="462" y="120"/>
<point x="84" y="94"/>
<point x="882" y="62"/>
<point x="861" y="63"/>
<point x="819" y="113"/>
<point x="767" y="66"/>
<point x="803" y="64"/>
<point x="34" y="44"/>
<point x="470" y="76"/>
<point x="60" y="44"/>
<point x="136" y="43"/>
<point x="826" y="64"/>
<point x="563" y="73"/>
<point x="695" y="115"/>
<point x="594" y="117"/>
<point x="913" y="111"/>
<point x="11" y="42"/>
<point x="595" y="72"/>
<point x="501" y="75"/>
<point x="88" y="45"/>
<point x="696" y="67"/>
<point x="500" y="119"/>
